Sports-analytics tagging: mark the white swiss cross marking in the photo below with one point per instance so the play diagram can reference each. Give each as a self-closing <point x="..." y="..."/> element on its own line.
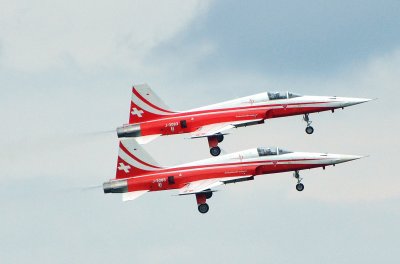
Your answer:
<point x="124" y="167"/>
<point x="137" y="112"/>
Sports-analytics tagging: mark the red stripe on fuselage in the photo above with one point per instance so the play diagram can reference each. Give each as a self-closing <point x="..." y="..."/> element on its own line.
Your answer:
<point x="217" y="110"/>
<point x="159" y="182"/>
<point x="240" y="108"/>
<point x="248" y="107"/>
<point x="195" y="120"/>
<point x="206" y="166"/>
<point x="174" y="170"/>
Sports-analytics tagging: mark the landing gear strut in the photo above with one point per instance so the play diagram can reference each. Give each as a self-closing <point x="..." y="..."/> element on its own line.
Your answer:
<point x="299" y="185"/>
<point x="213" y="144"/>
<point x="201" y="198"/>
<point x="309" y="128"/>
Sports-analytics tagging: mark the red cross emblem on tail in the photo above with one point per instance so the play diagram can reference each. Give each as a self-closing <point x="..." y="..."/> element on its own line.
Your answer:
<point x="137" y="112"/>
<point x="124" y="167"/>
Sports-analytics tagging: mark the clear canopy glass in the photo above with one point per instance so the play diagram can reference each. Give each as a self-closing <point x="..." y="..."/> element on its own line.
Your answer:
<point x="281" y="95"/>
<point x="271" y="151"/>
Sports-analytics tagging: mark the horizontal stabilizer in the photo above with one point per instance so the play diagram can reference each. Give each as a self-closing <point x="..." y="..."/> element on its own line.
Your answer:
<point x="146" y="139"/>
<point x="130" y="196"/>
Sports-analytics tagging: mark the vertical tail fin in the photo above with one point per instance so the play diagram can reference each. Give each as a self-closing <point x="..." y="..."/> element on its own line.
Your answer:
<point x="133" y="160"/>
<point x="146" y="105"/>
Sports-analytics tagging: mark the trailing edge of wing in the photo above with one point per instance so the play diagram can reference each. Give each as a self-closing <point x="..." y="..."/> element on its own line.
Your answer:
<point x="214" y="129"/>
<point x="129" y="196"/>
<point x="202" y="185"/>
<point x="210" y="130"/>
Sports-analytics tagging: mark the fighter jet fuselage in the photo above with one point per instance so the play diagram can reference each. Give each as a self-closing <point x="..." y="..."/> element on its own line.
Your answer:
<point x="150" y="118"/>
<point x="136" y="176"/>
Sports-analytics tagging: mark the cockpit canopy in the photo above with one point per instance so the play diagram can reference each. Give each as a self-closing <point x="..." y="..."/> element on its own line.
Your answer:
<point x="281" y="95"/>
<point x="271" y="151"/>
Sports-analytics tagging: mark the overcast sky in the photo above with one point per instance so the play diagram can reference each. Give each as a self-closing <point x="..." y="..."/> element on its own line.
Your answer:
<point x="66" y="70"/>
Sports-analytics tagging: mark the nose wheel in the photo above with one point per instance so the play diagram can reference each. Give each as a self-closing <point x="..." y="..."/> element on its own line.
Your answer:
<point x="299" y="185"/>
<point x="309" y="128"/>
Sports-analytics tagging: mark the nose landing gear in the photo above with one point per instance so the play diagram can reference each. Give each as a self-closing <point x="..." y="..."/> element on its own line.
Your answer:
<point x="309" y="128"/>
<point x="299" y="185"/>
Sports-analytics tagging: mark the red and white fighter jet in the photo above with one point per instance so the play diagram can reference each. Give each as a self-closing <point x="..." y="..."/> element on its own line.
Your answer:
<point x="137" y="173"/>
<point x="150" y="117"/>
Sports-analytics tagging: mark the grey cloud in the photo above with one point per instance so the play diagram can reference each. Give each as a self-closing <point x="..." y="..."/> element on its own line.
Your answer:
<point x="296" y="37"/>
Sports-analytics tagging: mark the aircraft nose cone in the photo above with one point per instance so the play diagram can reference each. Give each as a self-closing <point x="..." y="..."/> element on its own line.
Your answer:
<point x="354" y="101"/>
<point x="346" y="158"/>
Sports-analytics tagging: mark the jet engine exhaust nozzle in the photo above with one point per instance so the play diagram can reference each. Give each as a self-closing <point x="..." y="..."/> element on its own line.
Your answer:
<point x="115" y="186"/>
<point x="129" y="131"/>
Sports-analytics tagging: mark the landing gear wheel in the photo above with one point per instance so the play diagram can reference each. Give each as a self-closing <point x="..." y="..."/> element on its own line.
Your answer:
<point x="299" y="187"/>
<point x="309" y="130"/>
<point x="203" y="208"/>
<point x="220" y="138"/>
<point x="215" y="151"/>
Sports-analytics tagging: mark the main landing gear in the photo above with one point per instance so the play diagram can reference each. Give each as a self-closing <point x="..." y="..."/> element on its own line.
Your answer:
<point x="215" y="151"/>
<point x="299" y="185"/>
<point x="203" y="208"/>
<point x="201" y="201"/>
<point x="213" y="144"/>
<point x="309" y="128"/>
